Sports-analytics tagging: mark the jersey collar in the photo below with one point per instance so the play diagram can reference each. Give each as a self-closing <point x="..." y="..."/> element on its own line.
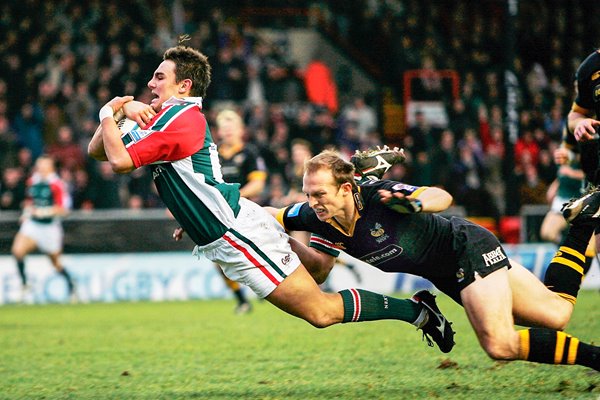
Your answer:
<point x="358" y="208"/>
<point x="182" y="100"/>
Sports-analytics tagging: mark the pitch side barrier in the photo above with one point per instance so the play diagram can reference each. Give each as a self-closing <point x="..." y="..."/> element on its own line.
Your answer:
<point x="112" y="274"/>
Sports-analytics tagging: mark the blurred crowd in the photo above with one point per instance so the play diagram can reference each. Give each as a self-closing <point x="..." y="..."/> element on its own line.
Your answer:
<point x="61" y="61"/>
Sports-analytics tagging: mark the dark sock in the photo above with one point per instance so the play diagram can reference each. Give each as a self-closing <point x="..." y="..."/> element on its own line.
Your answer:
<point x="362" y="305"/>
<point x="569" y="265"/>
<point x="554" y="347"/>
<point x="239" y="295"/>
<point x="21" y="268"/>
<point x="64" y="273"/>
<point x="588" y="151"/>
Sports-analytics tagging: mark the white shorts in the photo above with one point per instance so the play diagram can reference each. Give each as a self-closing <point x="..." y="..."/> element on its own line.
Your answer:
<point x="255" y="251"/>
<point x="47" y="237"/>
<point x="557" y="204"/>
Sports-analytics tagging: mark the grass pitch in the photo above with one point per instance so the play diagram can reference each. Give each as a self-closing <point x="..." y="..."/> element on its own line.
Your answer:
<point x="201" y="350"/>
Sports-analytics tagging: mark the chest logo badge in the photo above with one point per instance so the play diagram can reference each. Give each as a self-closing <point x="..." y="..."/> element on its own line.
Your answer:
<point x="377" y="231"/>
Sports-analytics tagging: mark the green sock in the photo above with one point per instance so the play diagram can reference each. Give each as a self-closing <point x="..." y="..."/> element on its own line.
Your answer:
<point x="362" y="305"/>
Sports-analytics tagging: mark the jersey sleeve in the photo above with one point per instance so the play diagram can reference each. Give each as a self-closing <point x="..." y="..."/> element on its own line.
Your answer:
<point x="300" y="217"/>
<point x="399" y="187"/>
<point x="320" y="243"/>
<point x="587" y="79"/>
<point x="60" y="195"/>
<point x="254" y="166"/>
<point x="175" y="133"/>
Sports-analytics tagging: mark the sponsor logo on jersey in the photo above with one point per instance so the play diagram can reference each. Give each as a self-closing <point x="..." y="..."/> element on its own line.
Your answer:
<point x="379" y="233"/>
<point x="494" y="256"/>
<point x="357" y="199"/>
<point x="294" y="210"/>
<point x="156" y="171"/>
<point x="403" y="188"/>
<point x="383" y="255"/>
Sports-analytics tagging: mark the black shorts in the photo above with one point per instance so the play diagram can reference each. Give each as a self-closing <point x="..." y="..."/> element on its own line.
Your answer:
<point x="478" y="252"/>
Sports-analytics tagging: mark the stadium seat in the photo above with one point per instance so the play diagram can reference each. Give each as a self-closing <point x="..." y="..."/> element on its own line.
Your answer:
<point x="510" y="229"/>
<point x="487" y="222"/>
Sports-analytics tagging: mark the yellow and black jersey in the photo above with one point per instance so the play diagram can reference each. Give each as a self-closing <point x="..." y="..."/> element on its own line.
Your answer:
<point x="241" y="164"/>
<point x="445" y="251"/>
<point x="588" y="86"/>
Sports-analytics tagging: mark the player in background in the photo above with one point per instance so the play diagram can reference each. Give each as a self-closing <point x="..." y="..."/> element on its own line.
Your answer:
<point x="584" y="120"/>
<point x="239" y="235"/>
<point x="569" y="183"/>
<point x="241" y="163"/>
<point x="41" y="226"/>
<point x="393" y="227"/>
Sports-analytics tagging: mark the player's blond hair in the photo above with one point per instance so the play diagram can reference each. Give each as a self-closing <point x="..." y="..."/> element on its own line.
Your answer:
<point x="229" y="114"/>
<point x="342" y="170"/>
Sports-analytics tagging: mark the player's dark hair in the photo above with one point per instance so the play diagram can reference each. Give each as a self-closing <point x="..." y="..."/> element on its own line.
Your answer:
<point x="342" y="170"/>
<point x="190" y="64"/>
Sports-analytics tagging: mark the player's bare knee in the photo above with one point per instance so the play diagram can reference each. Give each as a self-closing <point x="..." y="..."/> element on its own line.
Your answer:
<point x="322" y="316"/>
<point x="18" y="253"/>
<point x="560" y="315"/>
<point x="501" y="346"/>
<point x="320" y="320"/>
<point x="500" y="350"/>
<point x="559" y="322"/>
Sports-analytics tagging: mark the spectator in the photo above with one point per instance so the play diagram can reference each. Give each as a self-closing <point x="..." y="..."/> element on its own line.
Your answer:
<point x="105" y="188"/>
<point x="8" y="144"/>
<point x="443" y="159"/>
<point x="321" y="88"/>
<point x="363" y="115"/>
<point x="66" y="152"/>
<point x="12" y="189"/>
<point x="28" y="126"/>
<point x="532" y="190"/>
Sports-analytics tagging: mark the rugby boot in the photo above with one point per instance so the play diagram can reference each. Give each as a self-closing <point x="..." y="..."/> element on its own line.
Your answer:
<point x="436" y="328"/>
<point x="372" y="164"/>
<point x="585" y="209"/>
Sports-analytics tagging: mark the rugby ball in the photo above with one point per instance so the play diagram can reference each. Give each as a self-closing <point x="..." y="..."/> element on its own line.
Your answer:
<point x="126" y="125"/>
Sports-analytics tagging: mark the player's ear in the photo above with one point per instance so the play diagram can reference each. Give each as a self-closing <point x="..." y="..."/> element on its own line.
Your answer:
<point x="185" y="86"/>
<point x="347" y="187"/>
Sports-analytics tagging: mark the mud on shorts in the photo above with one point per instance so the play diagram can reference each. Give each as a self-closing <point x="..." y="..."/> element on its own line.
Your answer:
<point x="478" y="252"/>
<point x="254" y="251"/>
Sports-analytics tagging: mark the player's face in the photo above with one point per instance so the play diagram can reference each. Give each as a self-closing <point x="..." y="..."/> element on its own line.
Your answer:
<point x="163" y="85"/>
<point x="44" y="166"/>
<point x="230" y="130"/>
<point x="324" y="195"/>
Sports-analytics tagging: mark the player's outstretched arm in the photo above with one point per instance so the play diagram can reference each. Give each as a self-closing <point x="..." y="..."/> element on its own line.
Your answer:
<point x="317" y="264"/>
<point x="431" y="200"/>
<point x="582" y="125"/>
